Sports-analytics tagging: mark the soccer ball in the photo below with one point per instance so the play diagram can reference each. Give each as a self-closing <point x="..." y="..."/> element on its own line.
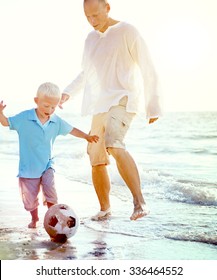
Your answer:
<point x="61" y="222"/>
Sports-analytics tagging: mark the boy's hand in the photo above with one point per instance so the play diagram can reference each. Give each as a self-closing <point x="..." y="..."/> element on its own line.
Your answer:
<point x="63" y="99"/>
<point x="2" y="106"/>
<point x="3" y="119"/>
<point x="151" y="120"/>
<point x="92" y="138"/>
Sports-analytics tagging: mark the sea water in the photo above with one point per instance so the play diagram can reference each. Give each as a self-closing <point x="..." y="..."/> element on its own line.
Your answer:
<point x="177" y="161"/>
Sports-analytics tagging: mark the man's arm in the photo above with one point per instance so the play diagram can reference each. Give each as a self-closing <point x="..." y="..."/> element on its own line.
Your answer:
<point x="3" y="118"/>
<point x="142" y="57"/>
<point x="72" y="89"/>
<point x="80" y="134"/>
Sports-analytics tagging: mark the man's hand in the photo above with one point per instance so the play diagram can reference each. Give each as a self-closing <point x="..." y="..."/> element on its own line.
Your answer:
<point x="64" y="98"/>
<point x="151" y="120"/>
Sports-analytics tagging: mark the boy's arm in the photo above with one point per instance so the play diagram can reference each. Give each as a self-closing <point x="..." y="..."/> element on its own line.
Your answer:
<point x="3" y="119"/>
<point x="90" y="138"/>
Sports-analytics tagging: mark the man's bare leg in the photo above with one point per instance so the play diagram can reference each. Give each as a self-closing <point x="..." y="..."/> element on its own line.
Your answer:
<point x="101" y="184"/>
<point x="129" y="172"/>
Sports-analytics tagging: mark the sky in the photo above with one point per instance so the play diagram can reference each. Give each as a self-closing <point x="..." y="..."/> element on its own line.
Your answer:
<point x="43" y="41"/>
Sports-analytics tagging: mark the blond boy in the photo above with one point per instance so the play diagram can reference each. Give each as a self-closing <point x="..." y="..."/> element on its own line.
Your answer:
<point x="37" y="130"/>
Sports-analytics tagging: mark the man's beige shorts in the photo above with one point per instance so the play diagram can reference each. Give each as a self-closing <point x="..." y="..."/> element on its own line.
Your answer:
<point x="111" y="127"/>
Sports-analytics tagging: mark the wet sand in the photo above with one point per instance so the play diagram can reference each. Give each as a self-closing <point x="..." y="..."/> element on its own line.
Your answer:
<point x="93" y="240"/>
<point x="18" y="242"/>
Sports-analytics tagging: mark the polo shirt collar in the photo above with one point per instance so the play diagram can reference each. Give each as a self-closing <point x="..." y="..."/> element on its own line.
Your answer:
<point x="33" y="116"/>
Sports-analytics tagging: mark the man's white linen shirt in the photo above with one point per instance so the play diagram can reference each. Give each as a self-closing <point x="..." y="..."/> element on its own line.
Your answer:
<point x="110" y="63"/>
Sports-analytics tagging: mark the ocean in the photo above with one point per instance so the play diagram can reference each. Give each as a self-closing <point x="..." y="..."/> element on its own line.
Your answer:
<point x="177" y="160"/>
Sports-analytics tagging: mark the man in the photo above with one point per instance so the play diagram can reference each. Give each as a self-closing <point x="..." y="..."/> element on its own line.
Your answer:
<point x="112" y="53"/>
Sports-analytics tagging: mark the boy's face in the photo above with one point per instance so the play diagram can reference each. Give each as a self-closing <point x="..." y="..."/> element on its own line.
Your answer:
<point x="46" y="106"/>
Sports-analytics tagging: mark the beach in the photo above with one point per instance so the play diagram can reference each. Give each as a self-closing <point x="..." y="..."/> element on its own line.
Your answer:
<point x="178" y="183"/>
<point x="93" y="240"/>
<point x="20" y="243"/>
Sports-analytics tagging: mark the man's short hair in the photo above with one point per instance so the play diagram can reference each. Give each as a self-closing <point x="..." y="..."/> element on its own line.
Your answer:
<point x="102" y="1"/>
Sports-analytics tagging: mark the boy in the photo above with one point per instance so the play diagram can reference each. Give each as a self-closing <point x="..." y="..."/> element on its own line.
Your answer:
<point x="37" y="129"/>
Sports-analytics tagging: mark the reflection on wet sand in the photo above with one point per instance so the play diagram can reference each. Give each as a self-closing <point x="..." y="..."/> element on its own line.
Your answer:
<point x="34" y="244"/>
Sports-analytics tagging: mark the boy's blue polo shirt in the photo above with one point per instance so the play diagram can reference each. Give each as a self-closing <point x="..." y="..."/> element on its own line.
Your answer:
<point x="36" y="141"/>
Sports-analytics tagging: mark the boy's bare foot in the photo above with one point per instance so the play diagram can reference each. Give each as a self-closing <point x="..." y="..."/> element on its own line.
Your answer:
<point x="139" y="212"/>
<point x="33" y="224"/>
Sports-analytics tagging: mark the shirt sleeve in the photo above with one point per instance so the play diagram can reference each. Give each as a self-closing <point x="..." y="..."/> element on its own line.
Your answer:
<point x="76" y="85"/>
<point x="141" y="56"/>
<point x="64" y="127"/>
<point x="16" y="121"/>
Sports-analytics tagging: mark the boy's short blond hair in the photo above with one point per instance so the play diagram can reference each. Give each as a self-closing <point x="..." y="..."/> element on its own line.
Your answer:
<point x="49" y="90"/>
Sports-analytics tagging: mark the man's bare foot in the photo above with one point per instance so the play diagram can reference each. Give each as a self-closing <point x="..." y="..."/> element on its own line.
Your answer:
<point x="139" y="212"/>
<point x="102" y="215"/>
<point x="33" y="224"/>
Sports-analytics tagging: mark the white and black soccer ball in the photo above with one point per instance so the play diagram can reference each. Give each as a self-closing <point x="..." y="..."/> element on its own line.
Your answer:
<point x="61" y="222"/>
